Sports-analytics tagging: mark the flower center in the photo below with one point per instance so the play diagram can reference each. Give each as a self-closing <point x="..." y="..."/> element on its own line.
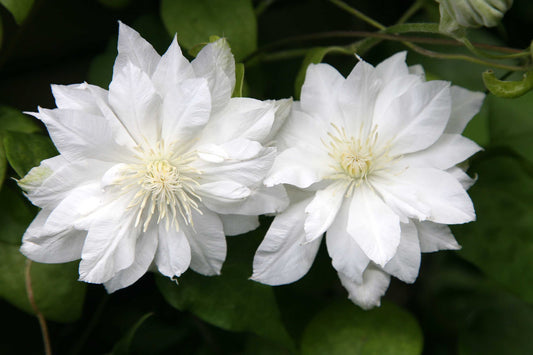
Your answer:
<point x="164" y="185"/>
<point x="354" y="159"/>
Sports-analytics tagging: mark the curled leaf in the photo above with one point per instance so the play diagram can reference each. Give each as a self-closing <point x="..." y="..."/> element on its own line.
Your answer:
<point x="508" y="89"/>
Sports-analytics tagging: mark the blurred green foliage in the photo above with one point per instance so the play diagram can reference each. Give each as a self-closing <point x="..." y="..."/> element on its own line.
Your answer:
<point x="474" y="301"/>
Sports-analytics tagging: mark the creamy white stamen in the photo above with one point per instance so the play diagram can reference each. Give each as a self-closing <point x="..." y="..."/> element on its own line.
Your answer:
<point x="164" y="184"/>
<point x="354" y="158"/>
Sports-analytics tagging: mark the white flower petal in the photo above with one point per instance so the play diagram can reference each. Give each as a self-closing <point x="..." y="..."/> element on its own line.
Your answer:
<point x="304" y="131"/>
<point x="78" y="135"/>
<point x="172" y="69"/>
<point x="319" y="91"/>
<point x="347" y="257"/>
<point x="247" y="172"/>
<point x="144" y="255"/>
<point x="392" y="67"/>
<point x="236" y="224"/>
<point x="449" y="150"/>
<point x="321" y="212"/>
<point x="448" y="201"/>
<point x="78" y="97"/>
<point x="242" y="118"/>
<point x="173" y="255"/>
<point x="36" y="182"/>
<point x="294" y="166"/>
<point x="406" y="262"/>
<point x="283" y="108"/>
<point x="434" y="237"/>
<point x="463" y="178"/>
<point x="77" y="204"/>
<point x="261" y="200"/>
<point x="373" y="225"/>
<point x="58" y="246"/>
<point x="110" y="244"/>
<point x="418" y="70"/>
<point x="416" y="119"/>
<point x="465" y="104"/>
<point x="136" y="103"/>
<point x="237" y="149"/>
<point x="185" y="111"/>
<point x="207" y="242"/>
<point x="284" y="256"/>
<point x="215" y="63"/>
<point x="357" y="97"/>
<point x="368" y="293"/>
<point x="400" y="196"/>
<point x="222" y="191"/>
<point x="132" y="48"/>
<point x="392" y="89"/>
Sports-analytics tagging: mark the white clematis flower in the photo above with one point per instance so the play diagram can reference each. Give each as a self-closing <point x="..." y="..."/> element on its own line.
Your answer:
<point x="155" y="170"/>
<point x="372" y="161"/>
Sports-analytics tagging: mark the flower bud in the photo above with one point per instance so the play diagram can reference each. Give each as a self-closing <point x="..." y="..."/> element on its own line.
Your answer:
<point x="457" y="14"/>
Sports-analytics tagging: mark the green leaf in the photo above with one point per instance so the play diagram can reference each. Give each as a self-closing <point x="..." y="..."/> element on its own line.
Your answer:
<point x="18" y="8"/>
<point x="57" y="293"/>
<point x="101" y="67"/>
<point x="511" y="123"/>
<point x="1" y="32"/>
<point x="13" y="120"/>
<point x="230" y="301"/>
<point x="486" y="319"/>
<point x="24" y="151"/>
<point x="502" y="327"/>
<point x="123" y="346"/>
<point x="344" y="328"/>
<point x="15" y="215"/>
<point x="3" y="163"/>
<point x="239" y="82"/>
<point x="500" y="242"/>
<point x="508" y="89"/>
<point x="195" y="21"/>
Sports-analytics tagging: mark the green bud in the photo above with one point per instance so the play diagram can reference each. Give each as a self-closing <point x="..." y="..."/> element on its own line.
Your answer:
<point x="455" y="15"/>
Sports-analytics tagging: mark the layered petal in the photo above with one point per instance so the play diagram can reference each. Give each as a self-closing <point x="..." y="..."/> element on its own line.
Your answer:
<point x="465" y="104"/>
<point x="373" y="225"/>
<point x="110" y="244"/>
<point x="434" y="237"/>
<point x="173" y="255"/>
<point x="172" y="69"/>
<point x="235" y="224"/>
<point x="216" y="64"/>
<point x="416" y="119"/>
<point x="449" y="150"/>
<point x="284" y="256"/>
<point x="446" y="198"/>
<point x="347" y="257"/>
<point x="145" y="249"/>
<point x="78" y="135"/>
<point x="51" y="246"/>
<point x="294" y="167"/>
<point x="184" y="112"/>
<point x="368" y="293"/>
<point x="319" y="91"/>
<point x="406" y="262"/>
<point x="136" y="104"/>
<point x="134" y="49"/>
<point x="322" y="210"/>
<point x="207" y="242"/>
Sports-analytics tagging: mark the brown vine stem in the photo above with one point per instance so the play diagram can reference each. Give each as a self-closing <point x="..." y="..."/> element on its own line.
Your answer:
<point x="38" y="314"/>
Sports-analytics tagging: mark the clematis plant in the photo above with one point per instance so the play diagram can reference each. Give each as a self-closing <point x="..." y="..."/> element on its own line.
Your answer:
<point x="155" y="170"/>
<point x="370" y="160"/>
